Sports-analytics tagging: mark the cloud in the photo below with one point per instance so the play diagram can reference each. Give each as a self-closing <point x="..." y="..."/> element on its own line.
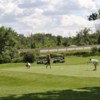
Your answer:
<point x="59" y="17"/>
<point x="97" y="2"/>
<point x="88" y="4"/>
<point x="9" y="8"/>
<point x="70" y="20"/>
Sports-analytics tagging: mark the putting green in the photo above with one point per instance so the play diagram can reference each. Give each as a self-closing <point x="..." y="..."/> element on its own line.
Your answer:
<point x="82" y="70"/>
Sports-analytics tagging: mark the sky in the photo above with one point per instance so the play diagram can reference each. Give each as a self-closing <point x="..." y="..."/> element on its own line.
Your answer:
<point x="57" y="17"/>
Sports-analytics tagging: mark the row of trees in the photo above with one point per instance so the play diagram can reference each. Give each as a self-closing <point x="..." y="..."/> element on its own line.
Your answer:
<point x="43" y="40"/>
<point x="11" y="42"/>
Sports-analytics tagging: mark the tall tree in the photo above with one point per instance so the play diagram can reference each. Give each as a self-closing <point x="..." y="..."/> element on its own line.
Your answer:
<point x="82" y="38"/>
<point x="8" y="47"/>
<point x="99" y="39"/>
<point x="96" y="16"/>
<point x="59" y="40"/>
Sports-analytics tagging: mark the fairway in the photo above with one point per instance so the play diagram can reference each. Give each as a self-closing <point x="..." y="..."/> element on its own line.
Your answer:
<point x="64" y="81"/>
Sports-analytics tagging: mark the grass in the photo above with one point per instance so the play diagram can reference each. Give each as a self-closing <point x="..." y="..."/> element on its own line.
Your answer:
<point x="73" y="80"/>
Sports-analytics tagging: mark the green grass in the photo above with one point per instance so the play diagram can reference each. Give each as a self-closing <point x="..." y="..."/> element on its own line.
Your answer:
<point x="73" y="80"/>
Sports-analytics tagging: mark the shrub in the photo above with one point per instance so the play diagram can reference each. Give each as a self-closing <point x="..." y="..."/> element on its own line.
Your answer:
<point x="94" y="50"/>
<point x="29" y="57"/>
<point x="99" y="49"/>
<point x="5" y="58"/>
<point x="17" y="59"/>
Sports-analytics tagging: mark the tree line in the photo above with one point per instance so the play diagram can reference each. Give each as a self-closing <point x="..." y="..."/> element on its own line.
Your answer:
<point x="9" y="38"/>
<point x="46" y="40"/>
<point x="11" y="42"/>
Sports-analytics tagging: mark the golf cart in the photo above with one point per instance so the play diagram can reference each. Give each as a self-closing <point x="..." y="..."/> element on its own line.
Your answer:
<point x="41" y="59"/>
<point x="59" y="58"/>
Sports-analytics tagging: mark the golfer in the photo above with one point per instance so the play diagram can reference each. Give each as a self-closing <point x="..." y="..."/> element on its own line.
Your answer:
<point x="95" y="63"/>
<point x="48" y="61"/>
<point x="28" y="65"/>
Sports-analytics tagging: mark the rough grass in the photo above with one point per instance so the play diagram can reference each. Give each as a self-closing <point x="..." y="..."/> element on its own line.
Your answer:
<point x="73" y="80"/>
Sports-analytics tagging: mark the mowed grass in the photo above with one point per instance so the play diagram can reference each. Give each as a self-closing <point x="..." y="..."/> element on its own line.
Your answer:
<point x="72" y="80"/>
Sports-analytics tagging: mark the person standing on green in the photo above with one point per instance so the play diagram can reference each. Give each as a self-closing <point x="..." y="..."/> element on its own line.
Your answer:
<point x="48" y="63"/>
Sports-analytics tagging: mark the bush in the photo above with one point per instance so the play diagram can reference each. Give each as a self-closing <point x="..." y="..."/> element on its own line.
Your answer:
<point x="17" y="60"/>
<point x="99" y="49"/>
<point x="7" y="55"/>
<point x="94" y="50"/>
<point x="29" y="57"/>
<point x="5" y="59"/>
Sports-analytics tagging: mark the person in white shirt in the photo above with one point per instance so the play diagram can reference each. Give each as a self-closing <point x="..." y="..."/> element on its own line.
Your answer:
<point x="95" y="63"/>
<point x="28" y="65"/>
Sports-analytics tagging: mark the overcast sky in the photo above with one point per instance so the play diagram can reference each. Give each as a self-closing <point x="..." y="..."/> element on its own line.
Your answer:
<point x="59" y="17"/>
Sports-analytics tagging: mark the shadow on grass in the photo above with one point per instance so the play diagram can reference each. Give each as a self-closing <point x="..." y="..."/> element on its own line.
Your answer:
<point x="78" y="94"/>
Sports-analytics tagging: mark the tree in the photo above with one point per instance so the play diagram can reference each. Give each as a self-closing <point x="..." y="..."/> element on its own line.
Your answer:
<point x="59" y="40"/>
<point x="99" y="39"/>
<point x="82" y="38"/>
<point x="86" y="36"/>
<point x="66" y="42"/>
<point x="95" y="16"/>
<point x="8" y="44"/>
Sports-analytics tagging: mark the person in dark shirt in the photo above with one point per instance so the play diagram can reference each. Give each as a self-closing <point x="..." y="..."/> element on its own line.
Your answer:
<point x="48" y="61"/>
